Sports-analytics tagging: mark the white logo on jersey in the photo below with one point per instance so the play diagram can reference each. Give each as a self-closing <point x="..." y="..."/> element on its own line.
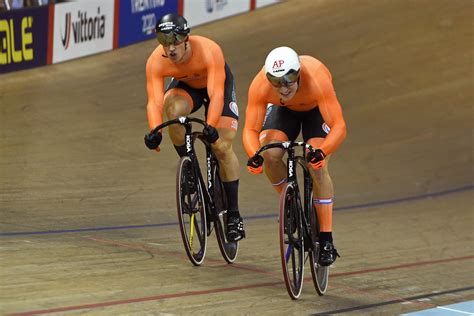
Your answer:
<point x="234" y="108"/>
<point x="326" y="128"/>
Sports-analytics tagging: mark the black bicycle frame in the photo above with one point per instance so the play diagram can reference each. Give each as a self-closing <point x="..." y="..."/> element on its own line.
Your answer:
<point x="211" y="161"/>
<point x="292" y="160"/>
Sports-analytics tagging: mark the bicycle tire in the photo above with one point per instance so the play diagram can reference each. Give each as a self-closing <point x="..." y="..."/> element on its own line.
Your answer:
<point x="319" y="273"/>
<point x="291" y="241"/>
<point x="191" y="208"/>
<point x="228" y="249"/>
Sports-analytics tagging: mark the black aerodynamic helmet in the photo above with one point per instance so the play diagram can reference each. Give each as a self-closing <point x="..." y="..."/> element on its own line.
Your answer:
<point x="171" y="29"/>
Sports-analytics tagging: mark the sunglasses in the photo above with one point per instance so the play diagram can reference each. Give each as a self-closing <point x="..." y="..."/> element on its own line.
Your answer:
<point x="170" y="38"/>
<point x="287" y="80"/>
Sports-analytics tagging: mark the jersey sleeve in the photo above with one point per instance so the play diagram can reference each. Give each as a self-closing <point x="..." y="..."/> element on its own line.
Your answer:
<point x="331" y="112"/>
<point x="155" y="92"/>
<point x="254" y="117"/>
<point x="215" y="85"/>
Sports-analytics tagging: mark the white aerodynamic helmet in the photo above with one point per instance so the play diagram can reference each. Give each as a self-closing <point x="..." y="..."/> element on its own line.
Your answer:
<point x="282" y="66"/>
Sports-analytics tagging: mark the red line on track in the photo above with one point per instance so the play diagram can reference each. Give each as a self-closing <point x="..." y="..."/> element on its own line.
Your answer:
<point x="216" y="290"/>
<point x="144" y="299"/>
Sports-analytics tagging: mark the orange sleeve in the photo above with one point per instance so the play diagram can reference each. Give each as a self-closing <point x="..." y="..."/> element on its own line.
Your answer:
<point x="254" y="117"/>
<point x="331" y="112"/>
<point x="155" y="91"/>
<point x="215" y="85"/>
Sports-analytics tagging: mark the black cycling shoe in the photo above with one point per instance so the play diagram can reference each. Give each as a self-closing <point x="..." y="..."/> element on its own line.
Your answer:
<point x="327" y="254"/>
<point x="235" y="228"/>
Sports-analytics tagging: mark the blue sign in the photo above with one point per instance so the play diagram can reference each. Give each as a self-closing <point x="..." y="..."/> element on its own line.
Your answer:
<point x="138" y="18"/>
<point x="23" y="38"/>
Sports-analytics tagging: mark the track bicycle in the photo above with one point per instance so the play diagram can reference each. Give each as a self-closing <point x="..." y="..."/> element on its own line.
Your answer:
<point x="200" y="206"/>
<point x="298" y="224"/>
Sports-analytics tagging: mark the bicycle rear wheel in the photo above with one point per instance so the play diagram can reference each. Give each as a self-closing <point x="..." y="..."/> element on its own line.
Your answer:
<point x="319" y="273"/>
<point x="191" y="209"/>
<point x="229" y="249"/>
<point x="291" y="241"/>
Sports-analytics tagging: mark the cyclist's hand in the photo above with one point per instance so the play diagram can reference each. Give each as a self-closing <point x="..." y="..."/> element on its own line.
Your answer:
<point x="153" y="140"/>
<point x="255" y="164"/>
<point x="210" y="134"/>
<point x="315" y="158"/>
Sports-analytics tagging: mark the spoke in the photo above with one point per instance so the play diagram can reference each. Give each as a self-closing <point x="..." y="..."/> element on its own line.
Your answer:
<point x="293" y="261"/>
<point x="288" y="252"/>
<point x="198" y="232"/>
<point x="191" y="233"/>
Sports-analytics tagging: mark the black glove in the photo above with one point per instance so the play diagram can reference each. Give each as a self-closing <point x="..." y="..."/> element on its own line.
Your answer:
<point x="210" y="134"/>
<point x="153" y="140"/>
<point x="314" y="156"/>
<point x="254" y="164"/>
<point x="255" y="161"/>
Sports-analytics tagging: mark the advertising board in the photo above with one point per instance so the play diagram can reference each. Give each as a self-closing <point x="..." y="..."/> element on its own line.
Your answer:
<point x="82" y="28"/>
<point x="23" y="38"/>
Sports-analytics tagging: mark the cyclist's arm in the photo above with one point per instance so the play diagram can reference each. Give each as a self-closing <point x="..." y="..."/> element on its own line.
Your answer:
<point x="254" y="117"/>
<point x="154" y="88"/>
<point x="331" y="112"/>
<point x="215" y="85"/>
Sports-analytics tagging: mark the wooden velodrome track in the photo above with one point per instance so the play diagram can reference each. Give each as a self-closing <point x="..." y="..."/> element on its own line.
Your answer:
<point x="88" y="220"/>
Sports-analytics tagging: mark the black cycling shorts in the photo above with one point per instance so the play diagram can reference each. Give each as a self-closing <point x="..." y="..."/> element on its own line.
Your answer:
<point x="292" y="122"/>
<point x="201" y="98"/>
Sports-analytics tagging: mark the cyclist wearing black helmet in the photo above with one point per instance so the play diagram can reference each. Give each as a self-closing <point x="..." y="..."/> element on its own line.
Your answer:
<point x="199" y="76"/>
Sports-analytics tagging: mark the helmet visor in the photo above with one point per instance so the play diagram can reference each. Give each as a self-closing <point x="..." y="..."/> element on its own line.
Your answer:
<point x="170" y="38"/>
<point x="287" y="80"/>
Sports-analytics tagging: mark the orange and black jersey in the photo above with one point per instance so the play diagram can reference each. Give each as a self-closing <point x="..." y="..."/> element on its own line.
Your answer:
<point x="315" y="90"/>
<point x="204" y="69"/>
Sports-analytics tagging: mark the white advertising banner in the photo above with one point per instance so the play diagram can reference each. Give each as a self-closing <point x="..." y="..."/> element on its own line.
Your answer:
<point x="262" y="3"/>
<point x="82" y="28"/>
<point x="202" y="11"/>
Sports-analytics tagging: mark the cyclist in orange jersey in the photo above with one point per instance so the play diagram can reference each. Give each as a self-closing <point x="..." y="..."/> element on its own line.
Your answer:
<point x="293" y="93"/>
<point x="199" y="77"/>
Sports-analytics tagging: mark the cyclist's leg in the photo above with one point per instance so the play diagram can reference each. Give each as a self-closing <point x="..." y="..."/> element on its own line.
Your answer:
<point x="227" y="129"/>
<point x="280" y="125"/>
<point x="177" y="103"/>
<point x="314" y="133"/>
<point x="323" y="193"/>
<point x="229" y="172"/>
<point x="180" y="100"/>
<point x="274" y="167"/>
<point x="229" y="167"/>
<point x="228" y="162"/>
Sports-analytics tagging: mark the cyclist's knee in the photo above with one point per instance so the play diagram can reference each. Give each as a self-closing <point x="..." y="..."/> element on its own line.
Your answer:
<point x="222" y="149"/>
<point x="272" y="157"/>
<point x="321" y="175"/>
<point x="176" y="106"/>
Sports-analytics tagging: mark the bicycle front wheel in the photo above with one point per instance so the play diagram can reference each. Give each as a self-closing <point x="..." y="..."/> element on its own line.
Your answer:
<point x="191" y="209"/>
<point x="291" y="241"/>
<point x="229" y="249"/>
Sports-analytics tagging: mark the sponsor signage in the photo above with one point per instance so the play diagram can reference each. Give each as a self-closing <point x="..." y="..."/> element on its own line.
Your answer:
<point x="138" y="18"/>
<point x="23" y="38"/>
<point x="82" y="28"/>
<point x="262" y="3"/>
<point x="202" y="11"/>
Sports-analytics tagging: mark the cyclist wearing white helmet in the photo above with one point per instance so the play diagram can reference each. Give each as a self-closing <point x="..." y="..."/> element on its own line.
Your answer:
<point x="291" y="94"/>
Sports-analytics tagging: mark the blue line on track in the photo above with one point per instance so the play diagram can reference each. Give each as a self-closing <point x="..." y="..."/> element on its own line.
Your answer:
<point x="343" y="208"/>
<point x="458" y="309"/>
